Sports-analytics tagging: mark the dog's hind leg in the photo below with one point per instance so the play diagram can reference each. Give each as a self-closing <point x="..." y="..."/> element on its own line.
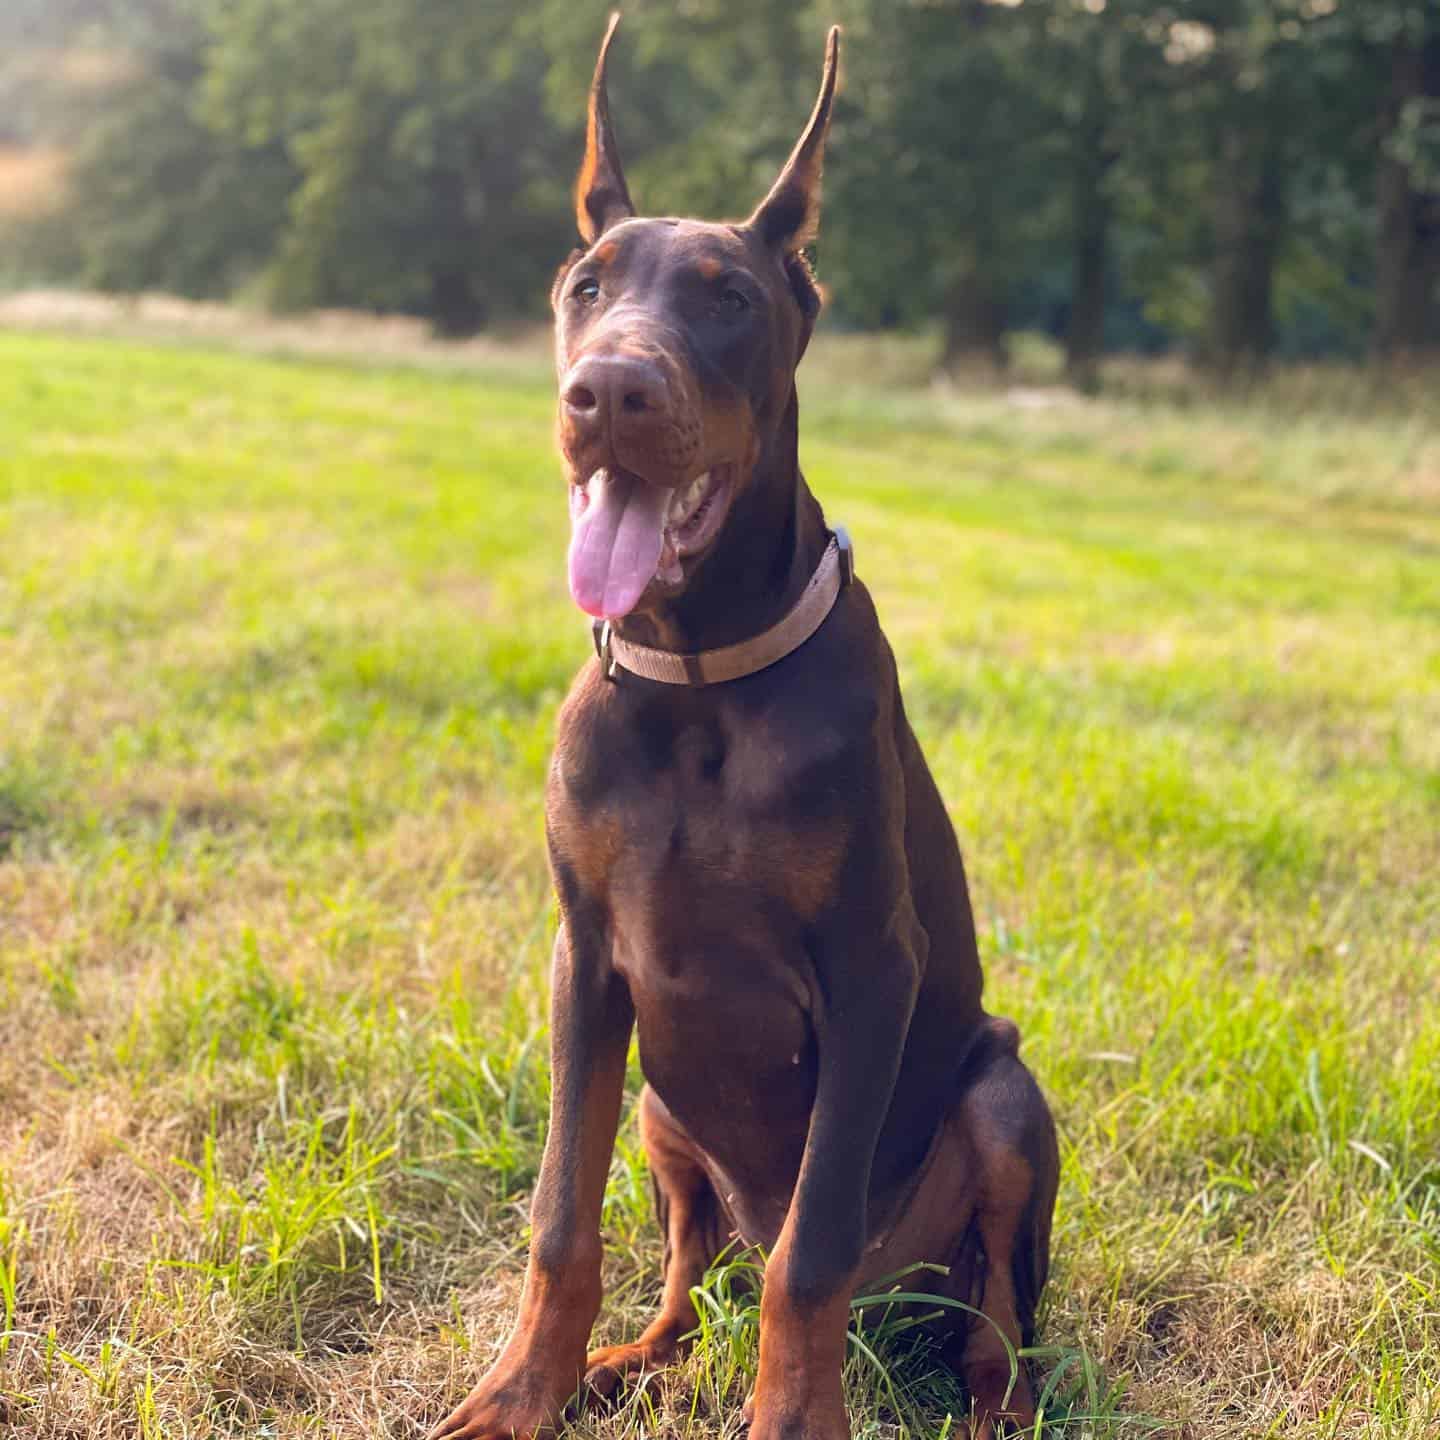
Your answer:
<point x="1009" y="1127"/>
<point x="695" y="1228"/>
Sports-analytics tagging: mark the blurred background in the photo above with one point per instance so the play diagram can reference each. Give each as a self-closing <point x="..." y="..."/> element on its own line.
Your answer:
<point x="1231" y="181"/>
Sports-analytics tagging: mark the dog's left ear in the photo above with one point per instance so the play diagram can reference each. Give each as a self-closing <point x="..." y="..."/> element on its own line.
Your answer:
<point x="789" y="215"/>
<point x="601" y="196"/>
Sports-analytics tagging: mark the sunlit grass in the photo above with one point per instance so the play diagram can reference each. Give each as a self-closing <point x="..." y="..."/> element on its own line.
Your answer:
<point x="280" y="647"/>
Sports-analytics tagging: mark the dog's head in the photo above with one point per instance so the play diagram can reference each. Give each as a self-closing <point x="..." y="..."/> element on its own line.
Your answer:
<point x="676" y="345"/>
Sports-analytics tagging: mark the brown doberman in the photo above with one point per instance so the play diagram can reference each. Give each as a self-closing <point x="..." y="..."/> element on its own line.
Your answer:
<point x="754" y="866"/>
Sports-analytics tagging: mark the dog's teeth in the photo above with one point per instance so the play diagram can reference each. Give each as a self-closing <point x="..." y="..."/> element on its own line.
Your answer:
<point x="683" y="503"/>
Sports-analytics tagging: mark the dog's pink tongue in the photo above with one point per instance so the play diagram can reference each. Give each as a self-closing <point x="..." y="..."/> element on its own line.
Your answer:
<point x="617" y="528"/>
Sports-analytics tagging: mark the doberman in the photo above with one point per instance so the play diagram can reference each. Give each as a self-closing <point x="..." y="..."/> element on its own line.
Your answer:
<point x="754" y="866"/>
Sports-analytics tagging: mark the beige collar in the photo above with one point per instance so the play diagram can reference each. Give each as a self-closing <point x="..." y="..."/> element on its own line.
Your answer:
<point x="711" y="667"/>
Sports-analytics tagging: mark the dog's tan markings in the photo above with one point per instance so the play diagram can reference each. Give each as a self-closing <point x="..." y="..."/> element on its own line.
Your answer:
<point x="594" y="848"/>
<point x="802" y="1351"/>
<point x="602" y="198"/>
<point x="809" y="882"/>
<point x="710" y="267"/>
<point x="605" y="253"/>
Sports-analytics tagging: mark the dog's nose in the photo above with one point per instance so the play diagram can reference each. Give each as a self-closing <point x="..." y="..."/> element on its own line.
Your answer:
<point x="603" y="388"/>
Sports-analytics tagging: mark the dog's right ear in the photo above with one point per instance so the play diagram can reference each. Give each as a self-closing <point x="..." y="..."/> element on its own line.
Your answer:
<point x="789" y="215"/>
<point x="601" y="198"/>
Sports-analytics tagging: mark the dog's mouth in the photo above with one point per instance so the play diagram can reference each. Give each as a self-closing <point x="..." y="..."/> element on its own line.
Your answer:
<point x="627" y="533"/>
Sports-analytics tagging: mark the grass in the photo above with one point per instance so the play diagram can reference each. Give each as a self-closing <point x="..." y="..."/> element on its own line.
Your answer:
<point x="280" y="648"/>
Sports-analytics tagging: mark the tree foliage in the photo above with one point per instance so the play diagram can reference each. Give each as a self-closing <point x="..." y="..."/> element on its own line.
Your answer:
<point x="1238" y="176"/>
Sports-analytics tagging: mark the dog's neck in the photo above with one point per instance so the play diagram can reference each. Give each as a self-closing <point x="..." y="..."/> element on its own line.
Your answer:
<point x="771" y="544"/>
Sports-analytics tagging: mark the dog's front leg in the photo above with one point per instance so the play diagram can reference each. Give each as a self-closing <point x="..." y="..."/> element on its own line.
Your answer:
<point x="542" y="1364"/>
<point x="868" y="994"/>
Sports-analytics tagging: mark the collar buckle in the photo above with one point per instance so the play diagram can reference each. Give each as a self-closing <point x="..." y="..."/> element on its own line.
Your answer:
<point x="847" y="555"/>
<point x="600" y="633"/>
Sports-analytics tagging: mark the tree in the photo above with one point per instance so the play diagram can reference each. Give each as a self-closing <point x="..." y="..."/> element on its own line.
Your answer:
<point x="431" y="177"/>
<point x="1407" y="300"/>
<point x="1236" y="176"/>
<point x="943" y="171"/>
<point x="153" y="198"/>
<point x="1097" y="72"/>
<point x="1267" y="99"/>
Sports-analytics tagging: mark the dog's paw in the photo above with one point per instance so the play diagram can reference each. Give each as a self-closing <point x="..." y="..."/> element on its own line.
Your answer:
<point x="1002" y="1406"/>
<point x="607" y="1370"/>
<point x="810" y="1422"/>
<point x="506" y="1408"/>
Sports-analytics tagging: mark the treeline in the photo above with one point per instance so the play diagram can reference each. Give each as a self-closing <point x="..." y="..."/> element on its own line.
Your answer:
<point x="1243" y="178"/>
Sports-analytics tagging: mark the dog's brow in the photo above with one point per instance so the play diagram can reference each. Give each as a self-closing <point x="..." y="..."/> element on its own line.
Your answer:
<point x="710" y="266"/>
<point x="605" y="253"/>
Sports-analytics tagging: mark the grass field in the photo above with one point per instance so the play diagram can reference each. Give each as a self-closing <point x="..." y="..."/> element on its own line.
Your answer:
<point x="280" y="649"/>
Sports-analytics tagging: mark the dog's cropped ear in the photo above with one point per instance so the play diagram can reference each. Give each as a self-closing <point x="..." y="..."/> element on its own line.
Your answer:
<point x="601" y="199"/>
<point x="789" y="215"/>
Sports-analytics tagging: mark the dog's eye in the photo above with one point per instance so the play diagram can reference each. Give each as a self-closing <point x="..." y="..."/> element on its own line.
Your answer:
<point x="587" y="292"/>
<point x="732" y="302"/>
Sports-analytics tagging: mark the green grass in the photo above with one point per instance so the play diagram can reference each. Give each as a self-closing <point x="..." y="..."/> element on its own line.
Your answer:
<point x="280" y="649"/>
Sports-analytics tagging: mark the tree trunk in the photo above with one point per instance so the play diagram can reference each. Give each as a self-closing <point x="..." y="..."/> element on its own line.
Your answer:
<point x="1249" y="217"/>
<point x="1090" y="222"/>
<point x="455" y="309"/>
<point x="975" y="318"/>
<point x="1407" y="255"/>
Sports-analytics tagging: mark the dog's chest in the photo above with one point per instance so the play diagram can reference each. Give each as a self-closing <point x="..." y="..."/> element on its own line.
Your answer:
<point x="720" y="872"/>
<point x="710" y="842"/>
<point x="709" y="836"/>
<point x="718" y="822"/>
